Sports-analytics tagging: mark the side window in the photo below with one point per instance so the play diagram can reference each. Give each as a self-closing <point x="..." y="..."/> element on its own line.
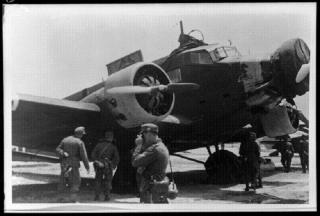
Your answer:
<point x="219" y="53"/>
<point x="202" y="57"/>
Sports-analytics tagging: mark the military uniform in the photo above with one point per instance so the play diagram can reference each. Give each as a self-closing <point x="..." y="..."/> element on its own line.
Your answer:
<point x="152" y="162"/>
<point x="76" y="151"/>
<point x="250" y="152"/>
<point x="106" y="153"/>
<point x="287" y="152"/>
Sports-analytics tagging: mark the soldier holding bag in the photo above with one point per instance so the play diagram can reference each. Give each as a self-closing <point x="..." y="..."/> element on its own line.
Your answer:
<point x="153" y="156"/>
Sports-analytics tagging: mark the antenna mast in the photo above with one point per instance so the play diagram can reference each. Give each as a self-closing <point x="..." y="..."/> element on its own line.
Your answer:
<point x="181" y="27"/>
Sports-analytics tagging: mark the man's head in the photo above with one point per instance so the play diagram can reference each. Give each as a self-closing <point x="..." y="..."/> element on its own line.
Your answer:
<point x="150" y="133"/>
<point x="79" y="132"/>
<point x="108" y="135"/>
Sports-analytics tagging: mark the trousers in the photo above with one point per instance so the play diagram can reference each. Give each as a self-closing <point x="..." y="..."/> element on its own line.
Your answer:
<point x="103" y="181"/>
<point x="73" y="180"/>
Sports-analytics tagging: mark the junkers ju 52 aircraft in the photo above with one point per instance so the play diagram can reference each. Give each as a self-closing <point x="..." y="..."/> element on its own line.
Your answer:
<point x="199" y="95"/>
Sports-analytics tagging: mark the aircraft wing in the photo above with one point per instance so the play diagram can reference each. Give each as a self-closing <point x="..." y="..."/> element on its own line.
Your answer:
<point x="41" y="122"/>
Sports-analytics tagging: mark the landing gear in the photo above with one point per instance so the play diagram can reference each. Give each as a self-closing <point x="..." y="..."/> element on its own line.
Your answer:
<point x="223" y="167"/>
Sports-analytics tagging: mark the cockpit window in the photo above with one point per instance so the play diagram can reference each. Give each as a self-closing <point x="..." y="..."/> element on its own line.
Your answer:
<point x="201" y="57"/>
<point x="220" y="53"/>
<point x="231" y="51"/>
<point x="223" y="52"/>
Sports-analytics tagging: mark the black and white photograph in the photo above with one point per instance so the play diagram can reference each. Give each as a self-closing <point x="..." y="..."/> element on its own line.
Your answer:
<point x="185" y="107"/>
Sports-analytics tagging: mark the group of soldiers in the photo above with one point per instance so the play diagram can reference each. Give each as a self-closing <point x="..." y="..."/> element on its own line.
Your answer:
<point x="150" y="157"/>
<point x="251" y="160"/>
<point x="288" y="147"/>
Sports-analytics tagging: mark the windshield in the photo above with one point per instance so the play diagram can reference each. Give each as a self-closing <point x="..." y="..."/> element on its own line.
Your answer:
<point x="223" y="52"/>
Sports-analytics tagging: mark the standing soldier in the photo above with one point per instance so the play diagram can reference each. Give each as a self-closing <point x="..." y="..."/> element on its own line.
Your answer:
<point x="138" y="142"/>
<point x="300" y="145"/>
<point x="287" y="152"/>
<point x="106" y="159"/>
<point x="71" y="150"/>
<point x="304" y="153"/>
<point x="250" y="154"/>
<point x="151" y="158"/>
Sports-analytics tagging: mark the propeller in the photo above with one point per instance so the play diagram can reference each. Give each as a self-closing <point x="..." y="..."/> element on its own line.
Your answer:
<point x="303" y="73"/>
<point x="171" y="88"/>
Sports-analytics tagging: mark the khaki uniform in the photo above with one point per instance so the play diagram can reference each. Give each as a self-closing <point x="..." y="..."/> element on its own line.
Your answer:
<point x="155" y="160"/>
<point x="76" y="151"/>
<point x="107" y="153"/>
<point x="250" y="151"/>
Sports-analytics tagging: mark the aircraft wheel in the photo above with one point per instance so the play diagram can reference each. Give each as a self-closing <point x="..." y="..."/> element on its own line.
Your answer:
<point x="223" y="167"/>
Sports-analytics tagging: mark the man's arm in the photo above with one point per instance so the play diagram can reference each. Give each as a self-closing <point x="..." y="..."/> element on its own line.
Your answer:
<point x="59" y="149"/>
<point x="94" y="153"/>
<point x="145" y="158"/>
<point x="241" y="151"/>
<point x="83" y="155"/>
<point x="258" y="149"/>
<point x="116" y="158"/>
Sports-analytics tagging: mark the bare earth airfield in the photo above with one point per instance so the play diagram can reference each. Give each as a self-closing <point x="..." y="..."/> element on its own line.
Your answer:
<point x="36" y="182"/>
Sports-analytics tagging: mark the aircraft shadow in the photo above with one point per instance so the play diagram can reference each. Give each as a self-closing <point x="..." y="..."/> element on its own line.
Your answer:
<point x="250" y="197"/>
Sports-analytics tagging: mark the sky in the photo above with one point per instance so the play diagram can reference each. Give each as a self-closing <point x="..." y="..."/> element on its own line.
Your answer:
<point x="56" y="50"/>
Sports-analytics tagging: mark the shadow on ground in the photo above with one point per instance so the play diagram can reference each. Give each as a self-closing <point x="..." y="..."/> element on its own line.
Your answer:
<point x="47" y="193"/>
<point x="250" y="197"/>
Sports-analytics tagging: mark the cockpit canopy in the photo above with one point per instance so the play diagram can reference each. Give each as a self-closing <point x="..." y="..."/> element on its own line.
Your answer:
<point x="207" y="54"/>
<point x="211" y="53"/>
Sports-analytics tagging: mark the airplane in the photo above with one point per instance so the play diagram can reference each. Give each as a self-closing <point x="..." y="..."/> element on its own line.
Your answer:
<point x="199" y="95"/>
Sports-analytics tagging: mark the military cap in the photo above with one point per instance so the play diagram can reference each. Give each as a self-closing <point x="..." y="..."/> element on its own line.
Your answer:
<point x="149" y="127"/>
<point x="79" y="130"/>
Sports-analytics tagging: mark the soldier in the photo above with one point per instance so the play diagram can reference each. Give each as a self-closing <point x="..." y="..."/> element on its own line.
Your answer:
<point x="106" y="159"/>
<point x="151" y="159"/>
<point x="287" y="152"/>
<point x="71" y="150"/>
<point x="250" y="154"/>
<point x="304" y="152"/>
<point x="138" y="141"/>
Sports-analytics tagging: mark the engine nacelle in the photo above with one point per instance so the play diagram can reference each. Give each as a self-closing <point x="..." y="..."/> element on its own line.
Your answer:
<point x="287" y="61"/>
<point x="132" y="110"/>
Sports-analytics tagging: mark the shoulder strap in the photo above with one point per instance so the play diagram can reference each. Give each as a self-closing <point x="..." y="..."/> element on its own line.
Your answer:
<point x="103" y="150"/>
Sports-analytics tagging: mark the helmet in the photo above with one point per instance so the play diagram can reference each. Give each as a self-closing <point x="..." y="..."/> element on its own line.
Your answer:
<point x="80" y="130"/>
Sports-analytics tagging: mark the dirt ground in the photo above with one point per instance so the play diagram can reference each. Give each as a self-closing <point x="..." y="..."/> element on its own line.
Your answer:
<point x="36" y="182"/>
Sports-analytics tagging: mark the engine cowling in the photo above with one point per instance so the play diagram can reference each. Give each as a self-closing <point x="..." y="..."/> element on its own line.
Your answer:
<point x="132" y="110"/>
<point x="286" y="62"/>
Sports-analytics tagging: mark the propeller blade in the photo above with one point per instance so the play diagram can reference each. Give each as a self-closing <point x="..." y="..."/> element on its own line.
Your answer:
<point x="130" y="90"/>
<point x="303" y="73"/>
<point x="182" y="87"/>
<point x="171" y="87"/>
